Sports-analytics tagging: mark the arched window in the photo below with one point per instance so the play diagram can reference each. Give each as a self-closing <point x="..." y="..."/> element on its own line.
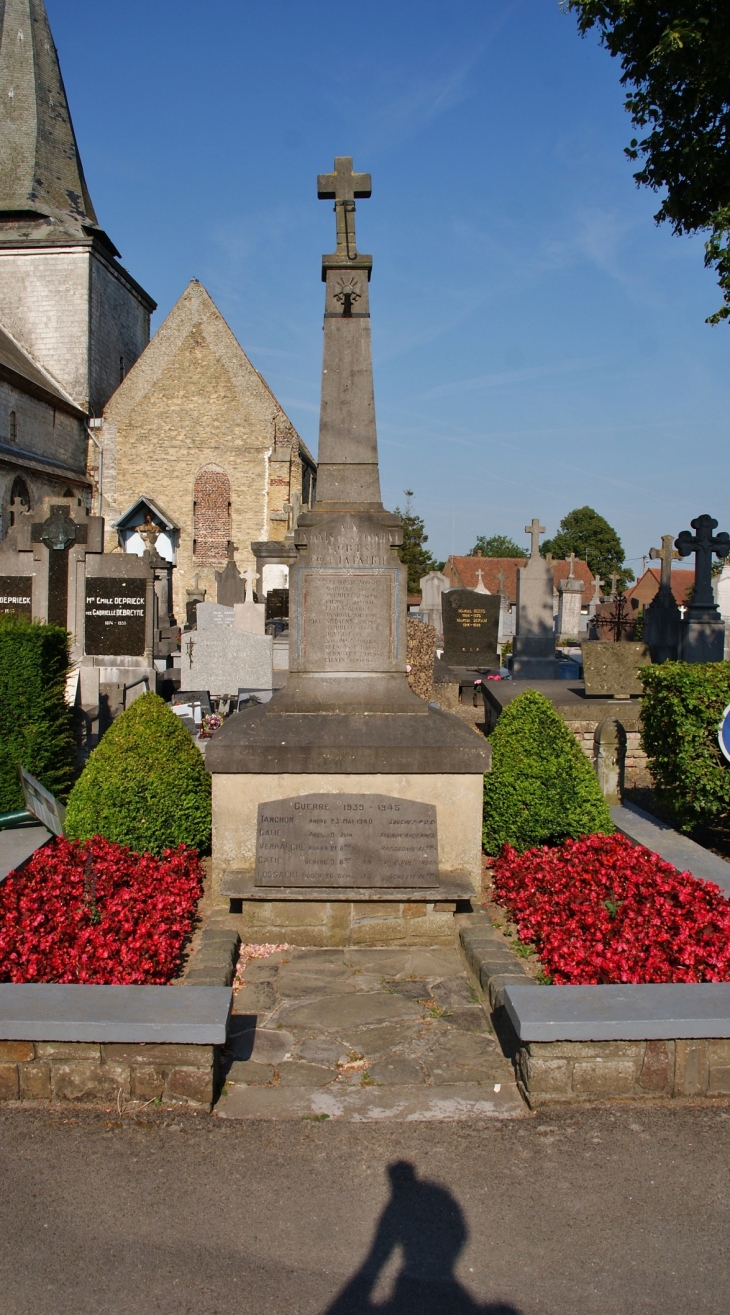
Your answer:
<point x="13" y="426"/>
<point x="211" y="515"/>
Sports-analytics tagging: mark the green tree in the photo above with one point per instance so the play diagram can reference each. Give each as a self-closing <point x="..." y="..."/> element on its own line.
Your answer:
<point x="592" y="539"/>
<point x="497" y="545"/>
<point x="675" y="56"/>
<point x="413" y="553"/>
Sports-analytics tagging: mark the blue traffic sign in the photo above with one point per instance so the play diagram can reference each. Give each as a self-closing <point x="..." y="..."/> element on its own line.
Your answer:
<point x="723" y="733"/>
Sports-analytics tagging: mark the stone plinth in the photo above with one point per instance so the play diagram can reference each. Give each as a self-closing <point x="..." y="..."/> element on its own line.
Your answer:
<point x="612" y="670"/>
<point x="701" y="641"/>
<point x="533" y="646"/>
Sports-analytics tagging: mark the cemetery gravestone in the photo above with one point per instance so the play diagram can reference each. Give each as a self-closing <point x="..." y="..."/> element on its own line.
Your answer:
<point x="702" y="630"/>
<point x="570" y="602"/>
<point x="116" y="619"/>
<point x="222" y="659"/>
<point x="662" y="616"/>
<point x="432" y="587"/>
<point x="533" y="646"/>
<point x="16" y="594"/>
<point x="470" y="622"/>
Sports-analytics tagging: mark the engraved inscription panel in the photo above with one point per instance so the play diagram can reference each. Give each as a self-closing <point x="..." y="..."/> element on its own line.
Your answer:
<point x="16" y="594"/>
<point x="348" y="543"/>
<point x="471" y="627"/>
<point x="115" y="616"/>
<point x="346" y="840"/>
<point x="348" y="619"/>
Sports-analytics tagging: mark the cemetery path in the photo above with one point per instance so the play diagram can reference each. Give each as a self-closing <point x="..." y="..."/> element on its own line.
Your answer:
<point x="364" y="1034"/>
<point x="620" y="1210"/>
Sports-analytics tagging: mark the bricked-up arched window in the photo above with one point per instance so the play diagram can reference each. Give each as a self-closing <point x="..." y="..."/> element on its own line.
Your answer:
<point x="211" y="515"/>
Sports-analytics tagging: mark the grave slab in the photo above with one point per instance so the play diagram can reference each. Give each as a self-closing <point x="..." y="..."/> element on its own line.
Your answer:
<point x="131" y="1014"/>
<point x="663" y="1011"/>
<point x="684" y="854"/>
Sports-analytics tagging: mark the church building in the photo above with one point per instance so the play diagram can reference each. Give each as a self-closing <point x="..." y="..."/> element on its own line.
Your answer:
<point x="72" y="320"/>
<point x="178" y="442"/>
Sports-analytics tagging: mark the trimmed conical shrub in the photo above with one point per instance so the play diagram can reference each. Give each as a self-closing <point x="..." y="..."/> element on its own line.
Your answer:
<point x="145" y="785"/>
<point x="36" y="727"/>
<point x="542" y="787"/>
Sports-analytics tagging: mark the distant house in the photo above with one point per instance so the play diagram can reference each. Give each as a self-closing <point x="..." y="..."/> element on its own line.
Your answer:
<point x="647" y="587"/>
<point x="462" y="573"/>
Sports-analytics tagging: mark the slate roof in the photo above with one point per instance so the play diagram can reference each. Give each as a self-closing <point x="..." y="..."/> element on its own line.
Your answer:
<point x="462" y="572"/>
<point x="647" y="586"/>
<point x="44" y="199"/>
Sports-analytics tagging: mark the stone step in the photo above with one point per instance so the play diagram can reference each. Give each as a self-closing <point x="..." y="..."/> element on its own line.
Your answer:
<point x="417" y="1104"/>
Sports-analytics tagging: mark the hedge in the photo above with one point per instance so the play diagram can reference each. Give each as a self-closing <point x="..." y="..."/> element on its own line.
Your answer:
<point x="145" y="785"/>
<point x="36" y="725"/>
<point x="681" y="711"/>
<point x="542" y="788"/>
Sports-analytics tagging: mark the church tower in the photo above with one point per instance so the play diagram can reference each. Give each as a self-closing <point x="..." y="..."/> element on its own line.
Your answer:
<point x="64" y="298"/>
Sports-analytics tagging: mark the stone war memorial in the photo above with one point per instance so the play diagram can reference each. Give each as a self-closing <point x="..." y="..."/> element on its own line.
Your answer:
<point x="347" y="809"/>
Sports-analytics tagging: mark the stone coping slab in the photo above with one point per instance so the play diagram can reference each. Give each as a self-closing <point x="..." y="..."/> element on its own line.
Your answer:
<point x="452" y="886"/>
<point x="18" y="844"/>
<point x="684" y="854"/>
<point x="196" y="1015"/>
<point x="657" y="1011"/>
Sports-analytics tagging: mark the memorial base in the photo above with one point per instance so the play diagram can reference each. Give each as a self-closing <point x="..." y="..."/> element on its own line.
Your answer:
<point x="330" y="923"/>
<point x="701" y="641"/>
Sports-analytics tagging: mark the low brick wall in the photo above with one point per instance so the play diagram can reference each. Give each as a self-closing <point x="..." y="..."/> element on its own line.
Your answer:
<point x="636" y="765"/>
<point x="104" y="1073"/>
<point x="555" y="1071"/>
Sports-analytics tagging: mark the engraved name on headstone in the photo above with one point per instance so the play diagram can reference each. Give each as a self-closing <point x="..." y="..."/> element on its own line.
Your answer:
<point x="16" y="594"/>
<point x="115" y="616"/>
<point x="471" y="626"/>
<point x="346" y="840"/>
<point x="348" y="621"/>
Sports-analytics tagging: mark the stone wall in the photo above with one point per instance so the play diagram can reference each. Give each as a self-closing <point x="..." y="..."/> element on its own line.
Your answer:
<point x="75" y="316"/>
<point x="42" y="429"/>
<point x="332" y="923"/>
<point x="94" y="1074"/>
<point x="636" y="768"/>
<point x="193" y="402"/>
<point x="555" y="1071"/>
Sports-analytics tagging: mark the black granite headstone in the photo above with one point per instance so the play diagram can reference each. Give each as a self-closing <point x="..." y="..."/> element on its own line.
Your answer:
<point x="277" y="605"/>
<point x="116" y="619"/>
<point x="471" y="627"/>
<point x="16" y="594"/>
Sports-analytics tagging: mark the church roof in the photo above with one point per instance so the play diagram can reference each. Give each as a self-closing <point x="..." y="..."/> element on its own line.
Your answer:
<point x="27" y="374"/>
<point x="44" y="199"/>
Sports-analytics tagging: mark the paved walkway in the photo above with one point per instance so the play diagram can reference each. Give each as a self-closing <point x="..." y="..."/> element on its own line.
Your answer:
<point x="364" y="1034"/>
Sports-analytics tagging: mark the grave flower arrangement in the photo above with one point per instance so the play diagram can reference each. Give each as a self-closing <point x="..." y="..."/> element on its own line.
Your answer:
<point x="96" y="912"/>
<point x="602" y="910"/>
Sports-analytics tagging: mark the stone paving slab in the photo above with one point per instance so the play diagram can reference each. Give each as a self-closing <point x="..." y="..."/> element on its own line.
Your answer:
<point x="411" y="1104"/>
<point x="17" y="843"/>
<point x="363" y="1035"/>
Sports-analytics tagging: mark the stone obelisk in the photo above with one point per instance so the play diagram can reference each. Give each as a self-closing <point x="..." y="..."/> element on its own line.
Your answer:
<point x="320" y="795"/>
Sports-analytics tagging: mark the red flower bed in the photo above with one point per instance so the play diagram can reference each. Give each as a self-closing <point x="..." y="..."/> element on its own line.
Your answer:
<point x="603" y="910"/>
<point x="96" y="912"/>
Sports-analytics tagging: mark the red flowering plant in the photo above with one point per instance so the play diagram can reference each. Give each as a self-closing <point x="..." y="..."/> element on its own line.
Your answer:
<point x="97" y="912"/>
<point x="600" y="909"/>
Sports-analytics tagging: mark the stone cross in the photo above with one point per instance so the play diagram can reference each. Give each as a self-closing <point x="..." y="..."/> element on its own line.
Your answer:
<point x="666" y="555"/>
<point x="614" y="583"/>
<point x="597" y="583"/>
<point x="703" y="544"/>
<point x="250" y="576"/>
<point x="501" y="578"/>
<point x="342" y="187"/>
<point x="480" y="587"/>
<point x="571" y="572"/>
<point x="535" y="529"/>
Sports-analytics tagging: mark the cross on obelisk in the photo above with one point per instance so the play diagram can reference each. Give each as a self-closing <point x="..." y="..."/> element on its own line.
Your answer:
<point x="703" y="544"/>
<point x="666" y="555"/>
<point x="535" y="529"/>
<point x="342" y="187"/>
<point x="571" y="559"/>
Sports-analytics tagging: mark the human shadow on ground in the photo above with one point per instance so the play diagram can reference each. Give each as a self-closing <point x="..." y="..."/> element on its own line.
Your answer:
<point x="425" y="1222"/>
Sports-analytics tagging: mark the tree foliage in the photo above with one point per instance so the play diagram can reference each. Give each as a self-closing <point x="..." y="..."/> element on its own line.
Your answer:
<point x="145" y="785"/>
<point x="497" y="545"/>
<point x="675" y="56"/>
<point x="413" y="552"/>
<point x="36" y="729"/>
<point x="542" y="787"/>
<point x="592" y="539"/>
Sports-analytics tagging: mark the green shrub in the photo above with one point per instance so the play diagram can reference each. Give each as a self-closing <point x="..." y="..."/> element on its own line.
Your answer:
<point x="542" y="787"/>
<point x="681" y="711"/>
<point x="36" y="727"/>
<point x="145" y="785"/>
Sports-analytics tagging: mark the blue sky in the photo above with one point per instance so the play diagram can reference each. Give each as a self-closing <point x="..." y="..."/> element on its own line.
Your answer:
<point x="538" y="342"/>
